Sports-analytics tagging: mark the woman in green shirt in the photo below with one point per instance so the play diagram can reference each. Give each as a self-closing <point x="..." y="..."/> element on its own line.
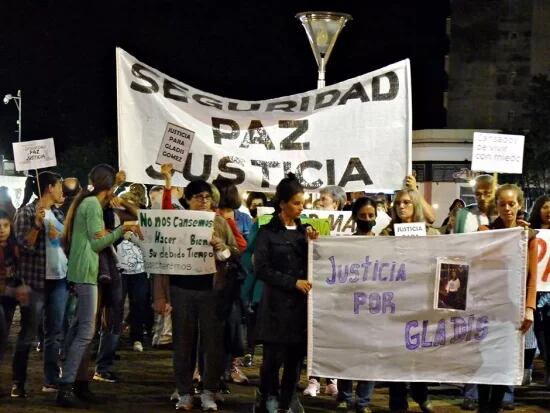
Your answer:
<point x="84" y="238"/>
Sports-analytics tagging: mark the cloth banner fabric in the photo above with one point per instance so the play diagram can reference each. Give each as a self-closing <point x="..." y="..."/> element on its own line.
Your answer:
<point x="177" y="241"/>
<point x="355" y="134"/>
<point x="372" y="316"/>
<point x="543" y="268"/>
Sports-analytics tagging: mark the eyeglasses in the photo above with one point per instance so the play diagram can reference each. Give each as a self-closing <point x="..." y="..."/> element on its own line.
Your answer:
<point x="201" y="197"/>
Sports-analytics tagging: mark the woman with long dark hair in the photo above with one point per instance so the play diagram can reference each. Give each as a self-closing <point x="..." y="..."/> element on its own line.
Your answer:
<point x="281" y="262"/>
<point x="84" y="238"/>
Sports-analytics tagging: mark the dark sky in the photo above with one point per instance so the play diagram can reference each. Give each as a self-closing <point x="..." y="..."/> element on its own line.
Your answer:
<point x="62" y="56"/>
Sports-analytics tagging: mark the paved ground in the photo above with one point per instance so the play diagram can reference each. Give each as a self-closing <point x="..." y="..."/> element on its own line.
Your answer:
<point x="147" y="383"/>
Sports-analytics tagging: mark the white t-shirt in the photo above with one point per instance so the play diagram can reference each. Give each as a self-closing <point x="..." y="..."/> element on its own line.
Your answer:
<point x="56" y="260"/>
<point x="453" y="285"/>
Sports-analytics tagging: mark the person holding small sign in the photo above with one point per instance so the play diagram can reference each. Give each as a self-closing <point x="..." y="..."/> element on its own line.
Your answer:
<point x="194" y="300"/>
<point x="280" y="259"/>
<point x="509" y="200"/>
<point x="408" y="208"/>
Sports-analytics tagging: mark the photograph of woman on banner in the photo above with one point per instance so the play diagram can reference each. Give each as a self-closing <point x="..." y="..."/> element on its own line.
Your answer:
<point x="408" y="207"/>
<point x="509" y="201"/>
<point x="364" y="215"/>
<point x="280" y="259"/>
<point x="453" y="282"/>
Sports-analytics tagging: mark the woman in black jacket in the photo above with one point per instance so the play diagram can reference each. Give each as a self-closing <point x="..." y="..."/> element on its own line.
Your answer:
<point x="280" y="259"/>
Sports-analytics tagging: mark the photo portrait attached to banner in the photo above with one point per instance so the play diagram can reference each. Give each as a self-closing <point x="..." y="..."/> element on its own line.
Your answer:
<point x="451" y="284"/>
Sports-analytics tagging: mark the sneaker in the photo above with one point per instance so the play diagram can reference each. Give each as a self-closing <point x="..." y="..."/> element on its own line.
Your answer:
<point x="312" y="388"/>
<point x="248" y="360"/>
<point x="272" y="404"/>
<point x="18" y="391"/>
<point x="363" y="410"/>
<point x="331" y="389"/>
<point x="296" y="405"/>
<point x="223" y="387"/>
<point x="175" y="396"/>
<point x="238" y="376"/>
<point x="207" y="401"/>
<point x="106" y="377"/>
<point x="185" y="402"/>
<point x="427" y="407"/>
<point x="343" y="406"/>
<point x="66" y="398"/>
<point x="138" y="346"/>
<point x="50" y="388"/>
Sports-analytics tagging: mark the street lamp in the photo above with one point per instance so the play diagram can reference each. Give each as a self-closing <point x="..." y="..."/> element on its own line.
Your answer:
<point x="18" y="102"/>
<point x="322" y="29"/>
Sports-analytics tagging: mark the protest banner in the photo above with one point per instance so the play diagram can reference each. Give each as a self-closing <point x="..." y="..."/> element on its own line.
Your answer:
<point x="175" y="146"/>
<point x="371" y="314"/>
<point x="321" y="225"/>
<point x="413" y="229"/>
<point x="543" y="267"/>
<point x="256" y="143"/>
<point x="177" y="241"/>
<point x="493" y="152"/>
<point x="34" y="154"/>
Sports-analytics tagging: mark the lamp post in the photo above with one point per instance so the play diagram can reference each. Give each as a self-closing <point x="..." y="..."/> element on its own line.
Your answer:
<point x="322" y="29"/>
<point x="19" y="103"/>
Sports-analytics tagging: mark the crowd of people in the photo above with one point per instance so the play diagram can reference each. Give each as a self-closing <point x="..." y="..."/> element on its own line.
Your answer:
<point x="70" y="255"/>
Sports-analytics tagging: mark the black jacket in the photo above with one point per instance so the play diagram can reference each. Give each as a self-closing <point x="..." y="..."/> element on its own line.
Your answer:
<point x="280" y="258"/>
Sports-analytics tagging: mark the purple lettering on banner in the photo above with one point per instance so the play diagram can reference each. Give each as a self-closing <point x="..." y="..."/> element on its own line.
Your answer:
<point x="375" y="272"/>
<point x="366" y="266"/>
<point x="440" y="337"/>
<point x="460" y="329"/>
<point x="359" y="299"/>
<point x="401" y="274"/>
<point x="375" y="304"/>
<point x="387" y="303"/>
<point x="354" y="273"/>
<point x="425" y="341"/>
<point x="392" y="272"/>
<point x="380" y="269"/>
<point x="471" y="322"/>
<point x="411" y="341"/>
<point x="482" y="328"/>
<point x="332" y="280"/>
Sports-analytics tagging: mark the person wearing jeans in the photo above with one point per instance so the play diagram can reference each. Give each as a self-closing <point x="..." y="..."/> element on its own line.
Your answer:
<point x="43" y="268"/>
<point x="85" y="236"/>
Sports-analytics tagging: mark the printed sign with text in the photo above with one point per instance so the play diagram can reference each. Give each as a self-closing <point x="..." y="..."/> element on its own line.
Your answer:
<point x="175" y="146"/>
<point x="414" y="229"/>
<point x="543" y="267"/>
<point x="34" y="154"/>
<point x="493" y="152"/>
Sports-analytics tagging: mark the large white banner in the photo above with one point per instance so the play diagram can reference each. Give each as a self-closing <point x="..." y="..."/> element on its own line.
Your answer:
<point x="177" y="241"/>
<point x="372" y="314"/>
<point x="356" y="134"/>
<point x="543" y="260"/>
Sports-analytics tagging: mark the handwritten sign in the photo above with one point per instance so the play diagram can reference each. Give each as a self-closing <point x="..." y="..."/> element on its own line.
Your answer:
<point x="414" y="229"/>
<point x="543" y="259"/>
<point x="177" y="241"/>
<point x="493" y="152"/>
<point x="34" y="154"/>
<point x="175" y="146"/>
<point x="385" y="285"/>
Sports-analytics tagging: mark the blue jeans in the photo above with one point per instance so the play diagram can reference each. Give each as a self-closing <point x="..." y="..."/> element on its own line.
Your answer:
<point x="363" y="393"/>
<point x="81" y="331"/>
<point x="470" y="393"/>
<point x="50" y="302"/>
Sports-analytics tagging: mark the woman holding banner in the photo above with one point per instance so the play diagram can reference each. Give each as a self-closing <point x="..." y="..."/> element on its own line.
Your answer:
<point x="281" y="262"/>
<point x="408" y="207"/>
<point x="509" y="200"/>
<point x="540" y="219"/>
<point x="364" y="213"/>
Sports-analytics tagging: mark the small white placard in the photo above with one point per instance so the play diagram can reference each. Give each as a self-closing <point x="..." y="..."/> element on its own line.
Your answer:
<point x="493" y="152"/>
<point x="265" y="210"/>
<point x="414" y="229"/>
<point x="34" y="154"/>
<point x="175" y="146"/>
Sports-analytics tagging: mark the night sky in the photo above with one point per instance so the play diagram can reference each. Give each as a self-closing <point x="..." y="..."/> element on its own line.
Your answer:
<point x="62" y="56"/>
